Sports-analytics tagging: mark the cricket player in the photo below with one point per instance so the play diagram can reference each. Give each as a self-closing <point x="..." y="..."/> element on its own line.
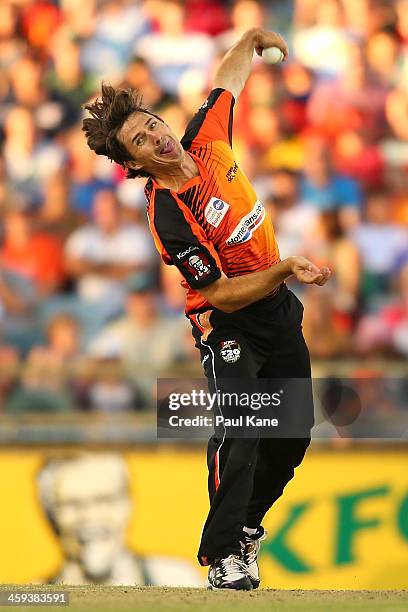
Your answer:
<point x="206" y="219"/>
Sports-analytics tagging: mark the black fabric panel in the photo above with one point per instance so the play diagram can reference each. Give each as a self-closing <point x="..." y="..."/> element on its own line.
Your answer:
<point x="230" y="120"/>
<point x="148" y="188"/>
<point x="197" y="121"/>
<point x="192" y="258"/>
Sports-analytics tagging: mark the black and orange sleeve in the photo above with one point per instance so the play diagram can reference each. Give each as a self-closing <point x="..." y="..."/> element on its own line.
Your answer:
<point x="182" y="241"/>
<point x="213" y="121"/>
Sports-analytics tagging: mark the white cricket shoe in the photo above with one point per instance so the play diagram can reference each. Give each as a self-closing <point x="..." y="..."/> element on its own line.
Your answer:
<point x="229" y="573"/>
<point x="251" y="546"/>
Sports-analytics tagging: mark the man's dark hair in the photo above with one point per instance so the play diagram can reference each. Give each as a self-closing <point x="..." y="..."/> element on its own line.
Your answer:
<point x="108" y="116"/>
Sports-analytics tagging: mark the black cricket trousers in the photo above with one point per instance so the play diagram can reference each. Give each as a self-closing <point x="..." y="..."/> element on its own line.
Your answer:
<point x="247" y="474"/>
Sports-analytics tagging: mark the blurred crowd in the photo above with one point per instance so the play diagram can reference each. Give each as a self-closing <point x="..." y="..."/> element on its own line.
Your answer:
<point x="88" y="314"/>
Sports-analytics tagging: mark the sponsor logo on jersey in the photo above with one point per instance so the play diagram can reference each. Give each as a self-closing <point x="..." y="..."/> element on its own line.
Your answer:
<point x="230" y="351"/>
<point x="198" y="266"/>
<point x="187" y="251"/>
<point x="232" y="172"/>
<point x="247" y="225"/>
<point x="215" y="211"/>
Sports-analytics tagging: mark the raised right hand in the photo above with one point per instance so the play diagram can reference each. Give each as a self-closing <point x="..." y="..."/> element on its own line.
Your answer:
<point x="306" y="271"/>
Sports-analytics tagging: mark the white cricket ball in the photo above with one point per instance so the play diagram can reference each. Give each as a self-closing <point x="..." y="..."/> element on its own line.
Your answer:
<point x="273" y="55"/>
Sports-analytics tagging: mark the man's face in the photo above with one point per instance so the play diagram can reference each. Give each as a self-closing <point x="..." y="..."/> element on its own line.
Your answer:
<point x="63" y="337"/>
<point x="378" y="209"/>
<point x="197" y="263"/>
<point x="141" y="306"/>
<point x="92" y="512"/>
<point x="150" y="142"/>
<point x="105" y="210"/>
<point x="17" y="227"/>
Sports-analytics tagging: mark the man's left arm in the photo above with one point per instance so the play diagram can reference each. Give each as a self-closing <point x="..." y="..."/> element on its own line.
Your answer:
<point x="235" y="66"/>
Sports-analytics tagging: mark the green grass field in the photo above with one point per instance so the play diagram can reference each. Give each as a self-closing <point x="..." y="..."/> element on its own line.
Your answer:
<point x="153" y="599"/>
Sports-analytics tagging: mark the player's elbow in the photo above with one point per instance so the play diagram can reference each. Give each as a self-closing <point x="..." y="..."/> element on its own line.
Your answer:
<point x="225" y="303"/>
<point x="226" y="306"/>
<point x="219" y="295"/>
<point x="220" y="303"/>
<point x="232" y="83"/>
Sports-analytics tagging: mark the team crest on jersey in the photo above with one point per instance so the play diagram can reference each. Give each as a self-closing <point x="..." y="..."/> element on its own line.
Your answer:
<point x="247" y="225"/>
<point x="230" y="350"/>
<point x="215" y="211"/>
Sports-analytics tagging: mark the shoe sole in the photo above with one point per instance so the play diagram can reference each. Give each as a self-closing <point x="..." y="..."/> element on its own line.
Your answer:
<point x="255" y="583"/>
<point x="242" y="585"/>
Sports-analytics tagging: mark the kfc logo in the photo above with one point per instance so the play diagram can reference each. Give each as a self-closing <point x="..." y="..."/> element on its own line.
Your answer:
<point x="198" y="266"/>
<point x="201" y="269"/>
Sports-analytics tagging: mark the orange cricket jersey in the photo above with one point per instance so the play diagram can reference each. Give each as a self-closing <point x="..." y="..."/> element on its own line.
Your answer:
<point x="215" y="222"/>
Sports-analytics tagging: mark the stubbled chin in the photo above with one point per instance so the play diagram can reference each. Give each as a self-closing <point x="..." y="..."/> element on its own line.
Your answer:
<point x="173" y="156"/>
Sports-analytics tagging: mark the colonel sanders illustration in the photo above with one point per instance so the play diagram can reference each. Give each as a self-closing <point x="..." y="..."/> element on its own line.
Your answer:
<point x="198" y="265"/>
<point x="86" y="499"/>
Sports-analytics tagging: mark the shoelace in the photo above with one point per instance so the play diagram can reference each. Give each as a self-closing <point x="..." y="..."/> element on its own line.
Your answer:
<point x="230" y="564"/>
<point x="251" y="550"/>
